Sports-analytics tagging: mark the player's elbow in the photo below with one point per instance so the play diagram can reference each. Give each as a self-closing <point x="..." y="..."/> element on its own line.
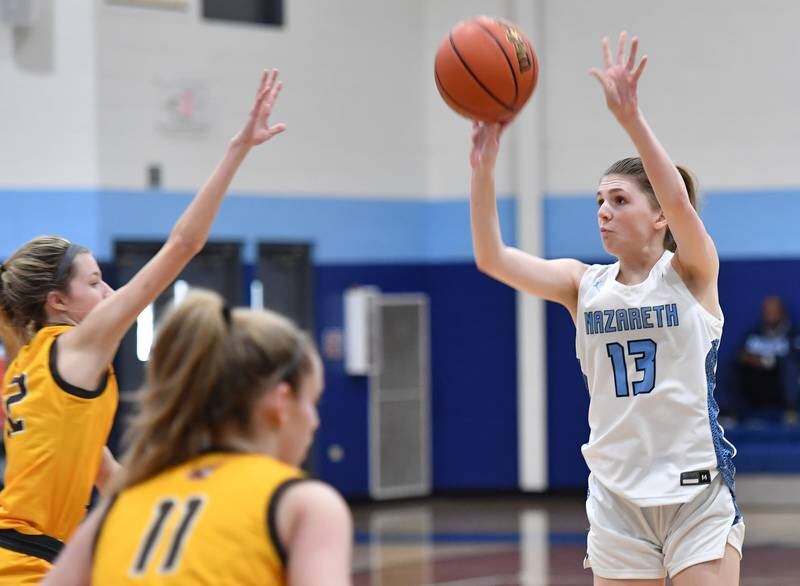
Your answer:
<point x="487" y="262"/>
<point x="185" y="246"/>
<point x="482" y="263"/>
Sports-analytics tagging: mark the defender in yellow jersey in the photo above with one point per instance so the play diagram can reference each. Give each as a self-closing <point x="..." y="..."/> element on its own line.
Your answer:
<point x="59" y="393"/>
<point x="207" y="519"/>
<point x="47" y="418"/>
<point x="211" y="492"/>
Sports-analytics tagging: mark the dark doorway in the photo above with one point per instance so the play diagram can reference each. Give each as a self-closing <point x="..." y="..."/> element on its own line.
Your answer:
<point x="285" y="274"/>
<point x="217" y="267"/>
<point x="284" y="270"/>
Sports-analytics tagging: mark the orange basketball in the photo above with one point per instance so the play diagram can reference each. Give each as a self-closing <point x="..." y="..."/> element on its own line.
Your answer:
<point x="486" y="69"/>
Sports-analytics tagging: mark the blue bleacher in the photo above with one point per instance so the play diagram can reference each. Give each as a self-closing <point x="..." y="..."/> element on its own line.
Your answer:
<point x="765" y="447"/>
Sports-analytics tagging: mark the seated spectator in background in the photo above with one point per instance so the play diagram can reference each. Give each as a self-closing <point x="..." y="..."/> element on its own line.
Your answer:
<point x="767" y="366"/>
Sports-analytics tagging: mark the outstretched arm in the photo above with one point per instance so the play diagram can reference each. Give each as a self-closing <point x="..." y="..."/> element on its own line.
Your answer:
<point x="555" y="280"/>
<point x="86" y="351"/>
<point x="696" y="252"/>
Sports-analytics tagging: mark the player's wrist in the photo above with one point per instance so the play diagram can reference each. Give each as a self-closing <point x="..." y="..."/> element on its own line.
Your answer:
<point x="483" y="170"/>
<point x="632" y="121"/>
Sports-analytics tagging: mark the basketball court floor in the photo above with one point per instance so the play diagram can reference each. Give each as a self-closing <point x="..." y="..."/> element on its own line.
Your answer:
<point x="527" y="541"/>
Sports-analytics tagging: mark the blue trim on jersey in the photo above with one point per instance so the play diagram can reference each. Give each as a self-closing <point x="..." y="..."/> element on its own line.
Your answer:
<point x="722" y="447"/>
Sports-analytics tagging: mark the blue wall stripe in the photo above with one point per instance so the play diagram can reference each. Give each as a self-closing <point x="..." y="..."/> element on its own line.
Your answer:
<point x="343" y="230"/>
<point x="448" y="228"/>
<point x="570" y="228"/>
<point x="69" y="213"/>
<point x="744" y="224"/>
<point x="754" y="224"/>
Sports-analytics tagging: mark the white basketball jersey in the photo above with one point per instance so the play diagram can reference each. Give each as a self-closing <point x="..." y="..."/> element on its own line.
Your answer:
<point x="649" y="356"/>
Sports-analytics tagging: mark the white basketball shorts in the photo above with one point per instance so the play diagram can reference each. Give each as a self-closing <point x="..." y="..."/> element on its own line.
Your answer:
<point x="630" y="542"/>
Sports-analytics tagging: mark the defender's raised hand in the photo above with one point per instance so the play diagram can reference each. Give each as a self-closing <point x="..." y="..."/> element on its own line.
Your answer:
<point x="258" y="130"/>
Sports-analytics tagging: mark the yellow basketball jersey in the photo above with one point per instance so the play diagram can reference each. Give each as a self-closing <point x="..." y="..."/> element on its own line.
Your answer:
<point x="207" y="521"/>
<point x="54" y="437"/>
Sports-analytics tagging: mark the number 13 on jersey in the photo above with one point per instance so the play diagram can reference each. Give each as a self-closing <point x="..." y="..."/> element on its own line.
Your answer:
<point x="643" y="354"/>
